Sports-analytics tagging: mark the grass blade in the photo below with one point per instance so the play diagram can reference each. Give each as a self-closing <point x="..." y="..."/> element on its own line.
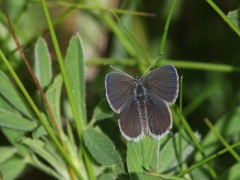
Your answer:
<point x="133" y="41"/>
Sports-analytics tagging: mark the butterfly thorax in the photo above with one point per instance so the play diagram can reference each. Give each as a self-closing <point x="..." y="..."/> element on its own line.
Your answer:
<point x="140" y="91"/>
<point x="140" y="95"/>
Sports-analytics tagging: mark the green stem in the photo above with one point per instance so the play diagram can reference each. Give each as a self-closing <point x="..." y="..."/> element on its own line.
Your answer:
<point x="164" y="36"/>
<point x="39" y="115"/>
<point x="225" y="143"/>
<point x="133" y="41"/>
<point x="177" y="63"/>
<point x="63" y="70"/>
<point x="180" y="125"/>
<point x="193" y="137"/>
<point x="79" y="121"/>
<point x="201" y="97"/>
<point x="112" y="25"/>
<point x="88" y="7"/>
<point x="208" y="159"/>
<point x="230" y="23"/>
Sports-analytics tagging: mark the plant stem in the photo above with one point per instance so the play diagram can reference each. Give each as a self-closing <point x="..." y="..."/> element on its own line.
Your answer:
<point x="230" y="23"/>
<point x="133" y="41"/>
<point x="164" y="36"/>
<point x="225" y="143"/>
<point x="78" y="121"/>
<point x="208" y="159"/>
<point x="180" y="125"/>
<point x="39" y="115"/>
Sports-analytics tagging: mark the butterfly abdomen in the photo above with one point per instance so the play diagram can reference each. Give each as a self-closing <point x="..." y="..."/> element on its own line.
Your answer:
<point x="142" y="112"/>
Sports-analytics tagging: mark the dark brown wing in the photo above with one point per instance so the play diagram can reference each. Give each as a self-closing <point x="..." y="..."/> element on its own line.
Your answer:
<point x="162" y="82"/>
<point x="130" y="123"/>
<point x="159" y="116"/>
<point x="119" y="88"/>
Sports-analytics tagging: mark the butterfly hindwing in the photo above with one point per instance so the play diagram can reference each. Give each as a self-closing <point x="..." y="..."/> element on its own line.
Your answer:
<point x="130" y="123"/>
<point x="159" y="116"/>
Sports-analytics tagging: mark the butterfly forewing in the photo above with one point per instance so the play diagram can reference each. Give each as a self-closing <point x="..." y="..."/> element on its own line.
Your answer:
<point x="130" y="123"/>
<point x="162" y="82"/>
<point x="119" y="88"/>
<point x="159" y="116"/>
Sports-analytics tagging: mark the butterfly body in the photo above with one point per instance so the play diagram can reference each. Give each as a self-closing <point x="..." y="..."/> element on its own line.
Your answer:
<point x="143" y="103"/>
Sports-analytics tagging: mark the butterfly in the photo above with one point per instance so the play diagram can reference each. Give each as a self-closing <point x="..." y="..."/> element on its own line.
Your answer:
<point x="143" y="102"/>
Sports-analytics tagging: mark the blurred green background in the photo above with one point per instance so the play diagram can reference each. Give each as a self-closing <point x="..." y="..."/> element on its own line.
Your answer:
<point x="196" y="34"/>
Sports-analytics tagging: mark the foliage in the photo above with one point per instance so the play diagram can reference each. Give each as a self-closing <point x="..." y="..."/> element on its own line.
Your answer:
<point x="83" y="140"/>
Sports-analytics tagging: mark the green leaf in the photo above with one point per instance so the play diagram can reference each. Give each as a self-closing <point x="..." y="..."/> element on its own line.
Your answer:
<point x="39" y="132"/>
<point x="53" y="95"/>
<point x="168" y="158"/>
<point x="200" y="173"/>
<point x="102" y="149"/>
<point x="106" y="176"/>
<point x="43" y="63"/>
<point x="5" y="105"/>
<point x="48" y="155"/>
<point x="227" y="126"/>
<point x="141" y="155"/>
<point x="6" y="153"/>
<point x="75" y="73"/>
<point x="8" y="91"/>
<point x="103" y="111"/>
<point x="45" y="167"/>
<point x="12" y="168"/>
<point x="232" y="173"/>
<point x="234" y="16"/>
<point x="11" y="120"/>
<point x="13" y="136"/>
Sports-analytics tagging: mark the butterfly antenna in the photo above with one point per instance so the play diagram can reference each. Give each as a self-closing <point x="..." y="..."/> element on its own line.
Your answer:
<point x="117" y="69"/>
<point x="152" y="64"/>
